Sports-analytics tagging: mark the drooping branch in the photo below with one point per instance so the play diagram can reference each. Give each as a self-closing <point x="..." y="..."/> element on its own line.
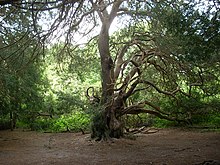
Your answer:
<point x="7" y="2"/>
<point x="15" y="42"/>
<point x="38" y="5"/>
<point x="157" y="108"/>
<point x="137" y="109"/>
<point x="155" y="113"/>
<point x="160" y="90"/>
<point x="134" y="13"/>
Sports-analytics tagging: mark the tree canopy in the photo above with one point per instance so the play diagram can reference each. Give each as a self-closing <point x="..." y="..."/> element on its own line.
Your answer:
<point x="163" y="60"/>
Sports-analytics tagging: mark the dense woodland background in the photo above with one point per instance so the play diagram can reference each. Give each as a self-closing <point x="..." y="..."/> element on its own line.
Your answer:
<point x="62" y="70"/>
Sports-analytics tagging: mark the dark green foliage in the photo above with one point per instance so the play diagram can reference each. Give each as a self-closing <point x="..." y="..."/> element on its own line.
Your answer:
<point x="196" y="110"/>
<point x="209" y="114"/>
<point x="207" y="120"/>
<point x="20" y="93"/>
<point x="5" y="123"/>
<point x="73" y="122"/>
<point x="160" y="123"/>
<point x="188" y="32"/>
<point x="21" y="79"/>
<point x="67" y="102"/>
<point x="99" y="126"/>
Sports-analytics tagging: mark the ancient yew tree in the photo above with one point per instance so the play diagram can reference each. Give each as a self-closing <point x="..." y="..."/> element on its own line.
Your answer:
<point x="150" y="57"/>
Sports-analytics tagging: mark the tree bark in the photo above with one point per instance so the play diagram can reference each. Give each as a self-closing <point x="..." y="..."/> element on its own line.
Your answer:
<point x="106" y="64"/>
<point x="110" y="126"/>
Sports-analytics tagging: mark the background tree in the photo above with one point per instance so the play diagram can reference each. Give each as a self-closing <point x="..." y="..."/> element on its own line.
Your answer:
<point x="190" y="34"/>
<point x="21" y="78"/>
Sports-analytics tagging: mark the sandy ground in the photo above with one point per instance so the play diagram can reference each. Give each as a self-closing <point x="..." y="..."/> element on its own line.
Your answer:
<point x="165" y="147"/>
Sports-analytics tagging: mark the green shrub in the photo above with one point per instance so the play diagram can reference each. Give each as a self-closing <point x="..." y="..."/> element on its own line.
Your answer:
<point x="5" y="124"/>
<point x="208" y="119"/>
<point x="162" y="123"/>
<point x="22" y="124"/>
<point x="73" y="122"/>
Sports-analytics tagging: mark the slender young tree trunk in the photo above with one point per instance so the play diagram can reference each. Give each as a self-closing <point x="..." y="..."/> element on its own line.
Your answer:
<point x="12" y="121"/>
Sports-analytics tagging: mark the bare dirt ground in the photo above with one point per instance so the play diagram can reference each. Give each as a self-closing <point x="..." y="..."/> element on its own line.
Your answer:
<point x="165" y="147"/>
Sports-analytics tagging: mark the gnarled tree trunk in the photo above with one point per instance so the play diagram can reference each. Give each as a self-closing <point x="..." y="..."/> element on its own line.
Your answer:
<point x="108" y="124"/>
<point x="113" y="105"/>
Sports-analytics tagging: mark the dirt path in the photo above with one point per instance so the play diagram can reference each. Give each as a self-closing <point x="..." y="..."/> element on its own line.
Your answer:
<point x="166" y="147"/>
